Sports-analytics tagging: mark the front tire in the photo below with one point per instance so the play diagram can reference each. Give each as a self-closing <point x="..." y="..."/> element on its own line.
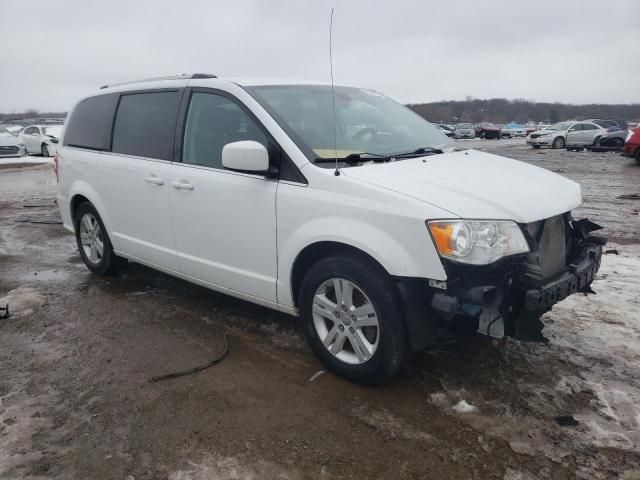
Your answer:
<point x="45" y="151"/>
<point x="352" y="318"/>
<point x="535" y="146"/>
<point x="93" y="242"/>
<point x="558" y="143"/>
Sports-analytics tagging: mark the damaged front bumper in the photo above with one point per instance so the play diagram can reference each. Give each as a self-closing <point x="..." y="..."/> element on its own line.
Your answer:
<point x="509" y="296"/>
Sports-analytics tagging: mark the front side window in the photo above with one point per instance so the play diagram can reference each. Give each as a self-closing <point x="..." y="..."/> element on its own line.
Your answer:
<point x="212" y="122"/>
<point x="365" y="121"/>
<point x="145" y="124"/>
<point x="575" y="128"/>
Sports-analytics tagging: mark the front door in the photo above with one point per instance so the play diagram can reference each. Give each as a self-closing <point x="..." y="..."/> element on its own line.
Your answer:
<point x="574" y="135"/>
<point x="224" y="222"/>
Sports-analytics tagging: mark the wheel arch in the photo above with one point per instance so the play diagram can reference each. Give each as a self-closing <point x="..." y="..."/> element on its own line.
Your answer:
<point x="81" y="192"/>
<point x="317" y="251"/>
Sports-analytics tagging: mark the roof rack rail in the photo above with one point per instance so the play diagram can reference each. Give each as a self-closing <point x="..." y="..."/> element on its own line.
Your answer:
<point x="183" y="76"/>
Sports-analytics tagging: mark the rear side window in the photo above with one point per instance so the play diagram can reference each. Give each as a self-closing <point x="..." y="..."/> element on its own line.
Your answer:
<point x="90" y="123"/>
<point x="589" y="126"/>
<point x="145" y="124"/>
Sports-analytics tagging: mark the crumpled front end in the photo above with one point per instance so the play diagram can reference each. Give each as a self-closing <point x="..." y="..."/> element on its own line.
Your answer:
<point x="508" y="297"/>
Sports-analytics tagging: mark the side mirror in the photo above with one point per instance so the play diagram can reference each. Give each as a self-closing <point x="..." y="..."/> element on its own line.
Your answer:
<point x="246" y="156"/>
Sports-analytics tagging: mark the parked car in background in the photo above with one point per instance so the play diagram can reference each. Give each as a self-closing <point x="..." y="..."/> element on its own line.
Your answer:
<point x="13" y="128"/>
<point x="613" y="139"/>
<point x="464" y="130"/>
<point x="632" y="144"/>
<point x="446" y="129"/>
<point x="604" y="123"/>
<point x="10" y="145"/>
<point x="235" y="187"/>
<point x="41" y="139"/>
<point x="513" y="130"/>
<point x="487" y="130"/>
<point x="583" y="134"/>
<point x="554" y="136"/>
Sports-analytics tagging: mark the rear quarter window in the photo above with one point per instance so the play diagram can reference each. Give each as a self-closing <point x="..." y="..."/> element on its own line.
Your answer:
<point x="145" y="124"/>
<point x="90" y="123"/>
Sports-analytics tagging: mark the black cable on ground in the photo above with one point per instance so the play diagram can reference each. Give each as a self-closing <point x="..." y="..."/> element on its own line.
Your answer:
<point x="199" y="368"/>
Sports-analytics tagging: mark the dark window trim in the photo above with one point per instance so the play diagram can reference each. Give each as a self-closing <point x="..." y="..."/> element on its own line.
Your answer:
<point x="277" y="154"/>
<point x="180" y="91"/>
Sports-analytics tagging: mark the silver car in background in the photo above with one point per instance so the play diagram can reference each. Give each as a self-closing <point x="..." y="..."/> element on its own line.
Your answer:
<point x="10" y="145"/>
<point x="464" y="130"/>
<point x="584" y="134"/>
<point x="554" y="136"/>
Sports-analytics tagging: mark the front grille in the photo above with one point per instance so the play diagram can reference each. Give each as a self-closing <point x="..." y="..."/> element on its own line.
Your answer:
<point x="8" y="150"/>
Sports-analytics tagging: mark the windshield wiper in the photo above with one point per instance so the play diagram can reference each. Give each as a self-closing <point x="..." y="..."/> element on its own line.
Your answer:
<point x="419" y="152"/>
<point x="354" y="158"/>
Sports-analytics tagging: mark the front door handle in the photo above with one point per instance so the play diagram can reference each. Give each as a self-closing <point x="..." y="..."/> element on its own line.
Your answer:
<point x="154" y="180"/>
<point x="182" y="185"/>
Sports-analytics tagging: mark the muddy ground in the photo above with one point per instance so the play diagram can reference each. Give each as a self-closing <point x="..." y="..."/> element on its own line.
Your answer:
<point x="77" y="352"/>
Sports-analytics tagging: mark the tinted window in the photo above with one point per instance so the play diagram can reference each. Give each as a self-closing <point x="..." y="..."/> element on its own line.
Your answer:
<point x="212" y="122"/>
<point x="29" y="131"/>
<point x="576" y="127"/>
<point x="145" y="124"/>
<point x="90" y="123"/>
<point x="589" y="126"/>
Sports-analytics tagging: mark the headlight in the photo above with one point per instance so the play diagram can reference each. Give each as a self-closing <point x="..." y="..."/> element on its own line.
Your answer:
<point x="21" y="145"/>
<point x="477" y="242"/>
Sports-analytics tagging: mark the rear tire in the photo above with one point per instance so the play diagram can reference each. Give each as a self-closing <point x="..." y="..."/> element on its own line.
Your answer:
<point x="638" y="156"/>
<point x="558" y="142"/>
<point x="367" y="296"/>
<point x="93" y="242"/>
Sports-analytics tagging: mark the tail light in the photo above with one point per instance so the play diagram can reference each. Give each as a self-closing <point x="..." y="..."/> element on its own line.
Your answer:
<point x="55" y="167"/>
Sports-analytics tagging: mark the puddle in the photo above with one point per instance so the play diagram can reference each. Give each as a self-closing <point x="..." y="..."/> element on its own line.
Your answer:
<point x="45" y="276"/>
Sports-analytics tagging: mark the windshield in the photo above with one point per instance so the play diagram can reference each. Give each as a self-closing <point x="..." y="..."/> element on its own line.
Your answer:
<point x="365" y="121"/>
<point x="560" y="126"/>
<point x="52" y="131"/>
<point x="464" y="125"/>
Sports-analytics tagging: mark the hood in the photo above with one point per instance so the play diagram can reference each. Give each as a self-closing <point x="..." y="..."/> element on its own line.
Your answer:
<point x="8" y="140"/>
<point x="476" y="185"/>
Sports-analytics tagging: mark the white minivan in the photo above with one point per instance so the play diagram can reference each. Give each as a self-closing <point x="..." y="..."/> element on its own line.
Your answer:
<point x="345" y="209"/>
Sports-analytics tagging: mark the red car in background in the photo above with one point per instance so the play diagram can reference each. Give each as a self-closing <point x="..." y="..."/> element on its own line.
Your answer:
<point x="487" y="130"/>
<point x="632" y="145"/>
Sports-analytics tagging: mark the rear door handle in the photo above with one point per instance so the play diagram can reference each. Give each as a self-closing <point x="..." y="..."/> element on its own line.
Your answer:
<point x="182" y="185"/>
<point x="155" y="180"/>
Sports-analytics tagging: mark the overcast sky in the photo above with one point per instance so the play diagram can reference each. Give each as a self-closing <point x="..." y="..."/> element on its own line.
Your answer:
<point x="577" y="51"/>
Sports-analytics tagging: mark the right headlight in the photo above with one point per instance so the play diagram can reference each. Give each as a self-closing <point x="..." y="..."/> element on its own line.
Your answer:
<point x="477" y="242"/>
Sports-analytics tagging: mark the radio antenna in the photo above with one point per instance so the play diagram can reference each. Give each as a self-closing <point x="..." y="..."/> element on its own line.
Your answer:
<point x="333" y="97"/>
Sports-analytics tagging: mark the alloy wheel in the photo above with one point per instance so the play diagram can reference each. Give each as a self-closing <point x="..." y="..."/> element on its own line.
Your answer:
<point x="91" y="238"/>
<point x="345" y="321"/>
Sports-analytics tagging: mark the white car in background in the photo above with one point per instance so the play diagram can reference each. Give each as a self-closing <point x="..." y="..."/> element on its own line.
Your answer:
<point x="554" y="136"/>
<point x="41" y="139"/>
<point x="10" y="144"/>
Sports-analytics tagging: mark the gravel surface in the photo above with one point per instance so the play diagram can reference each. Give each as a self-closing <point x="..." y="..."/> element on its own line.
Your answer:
<point x="77" y="352"/>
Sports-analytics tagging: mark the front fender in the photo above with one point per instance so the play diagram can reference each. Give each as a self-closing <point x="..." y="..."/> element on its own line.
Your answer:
<point x="387" y="250"/>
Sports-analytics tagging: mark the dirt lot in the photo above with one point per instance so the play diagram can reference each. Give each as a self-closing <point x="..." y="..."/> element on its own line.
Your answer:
<point x="77" y="352"/>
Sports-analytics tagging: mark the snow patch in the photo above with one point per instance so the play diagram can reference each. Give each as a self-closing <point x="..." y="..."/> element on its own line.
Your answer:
<point x="22" y="301"/>
<point x="463" y="407"/>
